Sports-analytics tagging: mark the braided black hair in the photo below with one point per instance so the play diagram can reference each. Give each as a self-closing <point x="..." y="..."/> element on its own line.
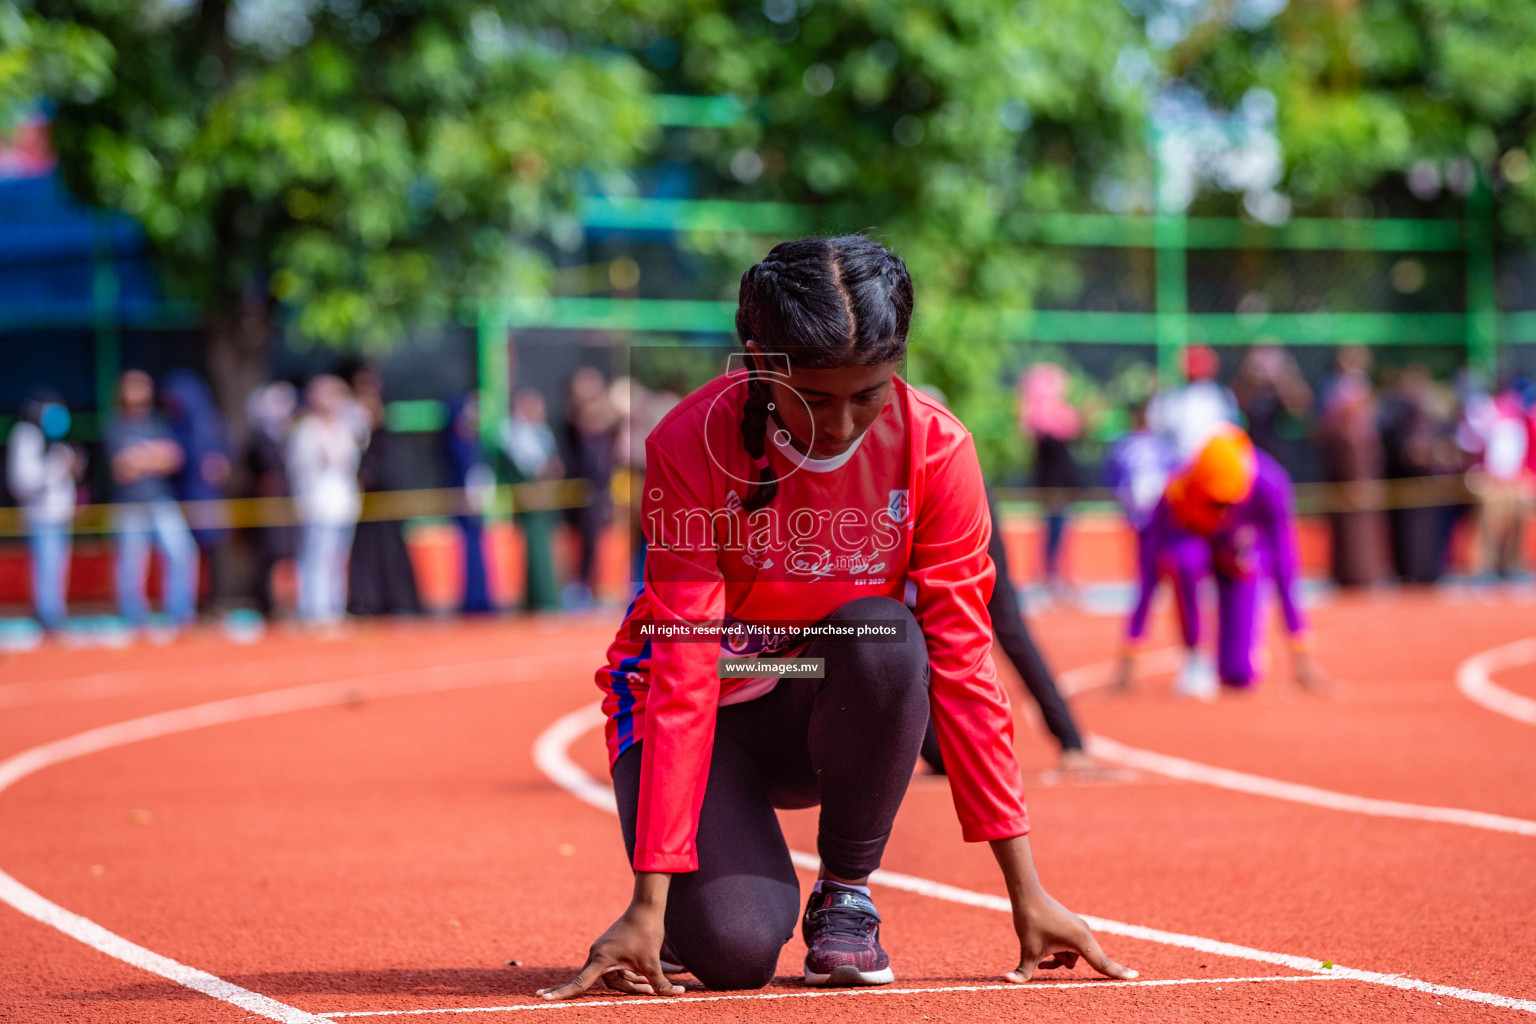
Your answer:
<point x="826" y="303"/>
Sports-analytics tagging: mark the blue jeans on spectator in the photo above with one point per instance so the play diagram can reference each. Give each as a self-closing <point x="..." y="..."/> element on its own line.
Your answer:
<point x="160" y="523"/>
<point x="1055" y="533"/>
<point x="477" y="588"/>
<point x="50" y="548"/>
<point x="323" y="550"/>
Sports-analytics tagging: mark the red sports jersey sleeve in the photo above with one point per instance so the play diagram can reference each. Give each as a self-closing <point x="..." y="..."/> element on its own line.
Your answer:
<point x="684" y="692"/>
<point x="954" y="577"/>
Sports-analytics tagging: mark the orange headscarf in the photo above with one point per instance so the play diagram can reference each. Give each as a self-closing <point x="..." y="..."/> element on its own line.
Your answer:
<point x="1221" y="476"/>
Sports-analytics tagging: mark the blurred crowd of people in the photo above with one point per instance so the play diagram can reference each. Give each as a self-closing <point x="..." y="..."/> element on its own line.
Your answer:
<point x="1409" y="457"/>
<point x="1387" y="441"/>
<point x="308" y="458"/>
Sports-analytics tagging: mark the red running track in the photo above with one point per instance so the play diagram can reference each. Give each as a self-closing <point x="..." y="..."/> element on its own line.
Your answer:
<point x="387" y="846"/>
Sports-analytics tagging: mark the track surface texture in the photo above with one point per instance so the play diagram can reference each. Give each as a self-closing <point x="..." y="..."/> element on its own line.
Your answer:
<point x="358" y="829"/>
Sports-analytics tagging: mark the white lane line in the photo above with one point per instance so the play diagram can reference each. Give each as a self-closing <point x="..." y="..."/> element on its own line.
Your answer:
<point x="235" y="709"/>
<point x="1474" y="678"/>
<point x="98" y="938"/>
<point x="1295" y="792"/>
<point x="1033" y="988"/>
<point x="1089" y="676"/>
<point x="551" y="752"/>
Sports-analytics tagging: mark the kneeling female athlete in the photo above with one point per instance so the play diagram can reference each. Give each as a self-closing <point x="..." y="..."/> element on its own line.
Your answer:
<point x="813" y="487"/>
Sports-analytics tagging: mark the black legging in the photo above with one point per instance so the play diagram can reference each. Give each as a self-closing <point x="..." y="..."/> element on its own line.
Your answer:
<point x="1013" y="636"/>
<point x="847" y="741"/>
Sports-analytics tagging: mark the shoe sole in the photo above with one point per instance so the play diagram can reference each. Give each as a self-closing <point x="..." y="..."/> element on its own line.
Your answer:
<point x="849" y="977"/>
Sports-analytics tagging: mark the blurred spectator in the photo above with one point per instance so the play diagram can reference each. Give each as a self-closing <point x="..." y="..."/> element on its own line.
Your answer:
<point x="1350" y="441"/>
<point x="41" y="471"/>
<point x="1046" y="417"/>
<point x="1137" y="467"/>
<point x="1415" y="436"/>
<point x="591" y="427"/>
<point x="1191" y="415"/>
<point x="382" y="580"/>
<point x="1351" y="365"/>
<point x="470" y="471"/>
<point x="1274" y="400"/>
<point x="144" y="458"/>
<point x="1495" y="432"/>
<point x="198" y="427"/>
<point x="532" y="456"/>
<point x="640" y="409"/>
<point x="270" y="413"/>
<point x="323" y="454"/>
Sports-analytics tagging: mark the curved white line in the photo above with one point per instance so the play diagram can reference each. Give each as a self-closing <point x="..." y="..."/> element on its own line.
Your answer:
<point x="1474" y="678"/>
<point x="551" y="752"/>
<point x="1089" y="676"/>
<point x="236" y="709"/>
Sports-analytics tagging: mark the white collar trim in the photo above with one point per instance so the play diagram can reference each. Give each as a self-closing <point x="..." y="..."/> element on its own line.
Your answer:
<point x="805" y="462"/>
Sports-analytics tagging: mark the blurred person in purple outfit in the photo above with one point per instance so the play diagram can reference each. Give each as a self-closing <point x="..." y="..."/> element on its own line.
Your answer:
<point x="1228" y="514"/>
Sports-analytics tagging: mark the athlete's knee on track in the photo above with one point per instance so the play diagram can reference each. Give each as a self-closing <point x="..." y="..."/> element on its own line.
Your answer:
<point x="735" y="951"/>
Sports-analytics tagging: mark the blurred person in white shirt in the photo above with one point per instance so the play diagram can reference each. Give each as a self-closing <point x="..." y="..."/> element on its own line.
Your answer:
<point x="1496" y="432"/>
<point x="533" y="455"/>
<point x="323" y="455"/>
<point x="41" y="471"/>
<point x="1191" y="415"/>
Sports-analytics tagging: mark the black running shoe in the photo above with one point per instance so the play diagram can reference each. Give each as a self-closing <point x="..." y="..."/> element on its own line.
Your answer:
<point x="842" y="937"/>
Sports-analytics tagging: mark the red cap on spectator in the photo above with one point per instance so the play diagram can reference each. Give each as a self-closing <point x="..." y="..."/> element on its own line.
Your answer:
<point x="1201" y="363"/>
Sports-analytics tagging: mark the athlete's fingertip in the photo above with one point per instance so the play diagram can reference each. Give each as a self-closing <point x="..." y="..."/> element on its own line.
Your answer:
<point x="660" y="984"/>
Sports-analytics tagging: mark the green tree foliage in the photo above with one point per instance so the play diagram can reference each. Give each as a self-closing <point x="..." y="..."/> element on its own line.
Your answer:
<point x="40" y="57"/>
<point x="369" y="164"/>
<point x="1365" y="89"/>
<point x="940" y="125"/>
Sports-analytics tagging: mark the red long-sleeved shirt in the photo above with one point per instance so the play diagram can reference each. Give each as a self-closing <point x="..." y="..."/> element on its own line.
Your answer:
<point x="903" y="515"/>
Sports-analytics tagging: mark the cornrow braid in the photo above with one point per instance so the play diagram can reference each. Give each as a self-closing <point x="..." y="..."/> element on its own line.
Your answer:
<point x="754" y="435"/>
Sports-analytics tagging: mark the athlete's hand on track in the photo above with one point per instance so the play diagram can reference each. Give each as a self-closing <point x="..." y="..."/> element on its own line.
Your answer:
<point x="628" y="955"/>
<point x="1050" y="936"/>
